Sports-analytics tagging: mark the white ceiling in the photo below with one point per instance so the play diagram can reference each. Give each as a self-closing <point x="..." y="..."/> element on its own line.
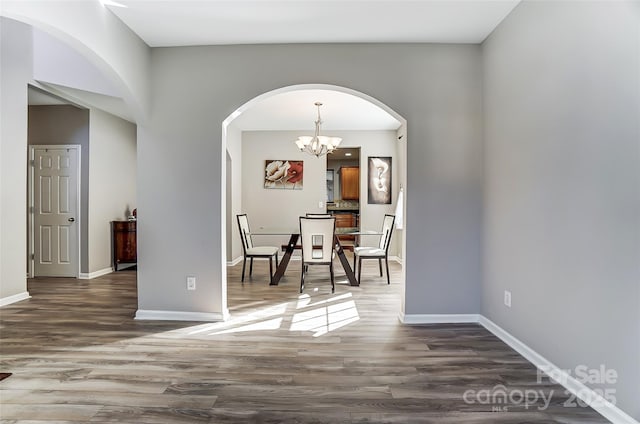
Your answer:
<point x="162" y="23"/>
<point x="295" y="110"/>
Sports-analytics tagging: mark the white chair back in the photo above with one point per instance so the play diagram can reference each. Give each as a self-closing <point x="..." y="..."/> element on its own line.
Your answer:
<point x="387" y="230"/>
<point x="316" y="236"/>
<point x="245" y="232"/>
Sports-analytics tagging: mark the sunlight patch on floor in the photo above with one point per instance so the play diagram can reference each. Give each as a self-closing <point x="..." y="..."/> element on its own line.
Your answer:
<point x="272" y="324"/>
<point x="260" y="314"/>
<point x="325" y="319"/>
<point x="318" y="315"/>
<point x="304" y="300"/>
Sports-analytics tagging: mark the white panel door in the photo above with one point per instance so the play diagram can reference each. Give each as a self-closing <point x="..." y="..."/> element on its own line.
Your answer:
<point x="55" y="209"/>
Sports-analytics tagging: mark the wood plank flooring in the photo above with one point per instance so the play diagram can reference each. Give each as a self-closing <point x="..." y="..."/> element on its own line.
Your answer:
<point x="77" y="355"/>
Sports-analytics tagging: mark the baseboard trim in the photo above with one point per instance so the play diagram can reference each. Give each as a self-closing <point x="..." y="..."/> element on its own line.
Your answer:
<point x="414" y="319"/>
<point x="180" y="316"/>
<point x="398" y="259"/>
<point x="235" y="262"/>
<point x="15" y="298"/>
<point x="575" y="387"/>
<point x="95" y="274"/>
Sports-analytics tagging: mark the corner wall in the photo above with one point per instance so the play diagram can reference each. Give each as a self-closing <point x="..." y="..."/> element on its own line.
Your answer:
<point x="562" y="185"/>
<point x="113" y="183"/>
<point x="15" y="73"/>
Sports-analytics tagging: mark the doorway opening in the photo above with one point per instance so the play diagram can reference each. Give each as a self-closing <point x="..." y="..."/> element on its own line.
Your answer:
<point x="343" y="192"/>
<point x="251" y="143"/>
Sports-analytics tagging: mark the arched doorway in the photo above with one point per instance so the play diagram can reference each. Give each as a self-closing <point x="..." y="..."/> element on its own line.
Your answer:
<point x="230" y="132"/>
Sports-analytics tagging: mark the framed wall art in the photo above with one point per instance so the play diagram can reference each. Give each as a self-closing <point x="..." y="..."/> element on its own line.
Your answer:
<point x="379" y="180"/>
<point x="283" y="174"/>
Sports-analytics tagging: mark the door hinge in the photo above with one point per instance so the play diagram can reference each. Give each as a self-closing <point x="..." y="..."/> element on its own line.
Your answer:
<point x="31" y="210"/>
<point x="33" y="256"/>
<point x="32" y="162"/>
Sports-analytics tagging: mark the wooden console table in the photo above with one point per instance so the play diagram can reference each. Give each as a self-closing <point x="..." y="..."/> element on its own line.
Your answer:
<point x="123" y="241"/>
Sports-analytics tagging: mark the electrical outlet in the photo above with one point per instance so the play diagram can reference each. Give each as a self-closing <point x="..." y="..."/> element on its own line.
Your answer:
<point x="320" y="204"/>
<point x="191" y="283"/>
<point x="507" y="298"/>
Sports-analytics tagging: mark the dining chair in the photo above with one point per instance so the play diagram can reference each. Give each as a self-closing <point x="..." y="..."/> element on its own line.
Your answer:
<point x="381" y="252"/>
<point x="317" y="236"/>
<point x="250" y="251"/>
<point x="315" y="215"/>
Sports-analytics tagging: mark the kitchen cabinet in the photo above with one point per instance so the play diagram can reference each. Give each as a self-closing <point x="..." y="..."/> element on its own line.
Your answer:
<point x="346" y="220"/>
<point x="124" y="243"/>
<point x="350" y="182"/>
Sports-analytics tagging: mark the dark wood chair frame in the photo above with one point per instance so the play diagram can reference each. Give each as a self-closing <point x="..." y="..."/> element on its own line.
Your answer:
<point x="387" y="242"/>
<point x="248" y="243"/>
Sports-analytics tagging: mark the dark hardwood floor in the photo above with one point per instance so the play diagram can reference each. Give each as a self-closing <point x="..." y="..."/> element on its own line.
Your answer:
<point x="77" y="355"/>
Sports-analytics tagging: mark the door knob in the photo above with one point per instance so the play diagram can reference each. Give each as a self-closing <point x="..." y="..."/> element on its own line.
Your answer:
<point x="71" y="220"/>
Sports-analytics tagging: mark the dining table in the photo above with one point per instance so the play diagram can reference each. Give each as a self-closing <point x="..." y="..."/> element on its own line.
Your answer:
<point x="294" y="236"/>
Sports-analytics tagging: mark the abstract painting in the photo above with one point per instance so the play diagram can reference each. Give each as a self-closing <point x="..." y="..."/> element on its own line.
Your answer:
<point x="283" y="174"/>
<point x="379" y="180"/>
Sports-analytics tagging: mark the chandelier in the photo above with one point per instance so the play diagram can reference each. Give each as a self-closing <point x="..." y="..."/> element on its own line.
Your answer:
<point x="318" y="145"/>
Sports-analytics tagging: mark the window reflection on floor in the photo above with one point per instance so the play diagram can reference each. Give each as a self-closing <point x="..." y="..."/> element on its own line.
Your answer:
<point x="311" y="315"/>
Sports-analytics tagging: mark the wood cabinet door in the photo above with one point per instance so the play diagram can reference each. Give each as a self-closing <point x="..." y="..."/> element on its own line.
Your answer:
<point x="350" y="183"/>
<point x="344" y="220"/>
<point x="124" y="242"/>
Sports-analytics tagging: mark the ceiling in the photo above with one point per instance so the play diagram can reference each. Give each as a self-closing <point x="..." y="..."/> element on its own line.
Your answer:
<point x="163" y="23"/>
<point x="295" y="110"/>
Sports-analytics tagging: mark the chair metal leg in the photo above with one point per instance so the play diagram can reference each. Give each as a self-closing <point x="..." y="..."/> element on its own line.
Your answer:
<point x="359" y="270"/>
<point x="386" y="261"/>
<point x="380" y="265"/>
<point x="355" y="257"/>
<point x="302" y="277"/>
<point x="244" y="265"/>
<point x="333" y="284"/>
<point x="276" y="259"/>
<point x="251" y="268"/>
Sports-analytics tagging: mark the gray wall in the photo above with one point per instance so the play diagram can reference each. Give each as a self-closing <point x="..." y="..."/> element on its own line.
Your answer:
<point x="437" y="88"/>
<point x="66" y="124"/>
<point x="112" y="179"/>
<point x="562" y="186"/>
<point x="15" y="74"/>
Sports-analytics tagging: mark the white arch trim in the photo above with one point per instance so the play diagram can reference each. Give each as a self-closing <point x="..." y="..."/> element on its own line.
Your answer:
<point x="223" y="166"/>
